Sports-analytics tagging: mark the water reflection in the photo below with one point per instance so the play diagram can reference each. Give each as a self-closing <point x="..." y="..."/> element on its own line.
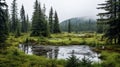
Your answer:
<point x="27" y="48"/>
<point x="61" y="52"/>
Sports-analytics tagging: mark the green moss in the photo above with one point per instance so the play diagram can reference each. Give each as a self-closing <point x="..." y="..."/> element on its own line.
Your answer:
<point x="110" y="59"/>
<point x="13" y="57"/>
<point x="59" y="39"/>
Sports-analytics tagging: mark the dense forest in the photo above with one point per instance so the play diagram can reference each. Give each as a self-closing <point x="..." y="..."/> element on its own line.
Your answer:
<point x="44" y="41"/>
<point x="79" y="25"/>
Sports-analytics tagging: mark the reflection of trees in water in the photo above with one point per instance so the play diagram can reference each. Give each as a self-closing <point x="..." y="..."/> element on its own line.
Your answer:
<point x="25" y="47"/>
<point x="54" y="53"/>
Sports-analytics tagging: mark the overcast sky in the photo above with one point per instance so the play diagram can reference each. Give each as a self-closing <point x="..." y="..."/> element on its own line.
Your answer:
<point x="66" y="8"/>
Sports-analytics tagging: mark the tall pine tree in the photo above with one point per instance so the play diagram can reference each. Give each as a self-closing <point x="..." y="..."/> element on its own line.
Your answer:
<point x="38" y="21"/>
<point x="28" y="23"/>
<point x="23" y="20"/>
<point x="45" y="23"/>
<point x="3" y="22"/>
<point x="69" y="26"/>
<point x="118" y="20"/>
<point x="111" y="19"/>
<point x="56" y="28"/>
<point x="35" y="27"/>
<point x="14" y="17"/>
<point x="51" y="20"/>
<point x="8" y="21"/>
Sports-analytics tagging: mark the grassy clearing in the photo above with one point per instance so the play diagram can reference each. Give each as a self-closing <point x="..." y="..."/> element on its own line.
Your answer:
<point x="60" y="39"/>
<point x="12" y="40"/>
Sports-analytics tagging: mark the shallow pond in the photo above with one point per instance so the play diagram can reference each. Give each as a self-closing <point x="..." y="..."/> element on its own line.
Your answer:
<point x="62" y="52"/>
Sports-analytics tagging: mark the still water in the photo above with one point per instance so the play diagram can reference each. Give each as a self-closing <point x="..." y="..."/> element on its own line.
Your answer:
<point x="62" y="52"/>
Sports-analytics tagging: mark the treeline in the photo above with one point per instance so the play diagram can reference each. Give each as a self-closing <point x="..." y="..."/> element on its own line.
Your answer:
<point x="3" y="23"/>
<point x="40" y="25"/>
<point x="111" y="18"/>
<point x="79" y="25"/>
<point x="18" y="25"/>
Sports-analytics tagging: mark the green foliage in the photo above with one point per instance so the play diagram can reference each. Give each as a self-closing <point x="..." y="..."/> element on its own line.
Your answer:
<point x="112" y="8"/>
<point x="3" y="22"/>
<point x="51" y="20"/>
<point x="56" y="28"/>
<point x="39" y="23"/>
<point x="85" y="62"/>
<point x="28" y="24"/>
<point x="12" y="57"/>
<point x="110" y="59"/>
<point x="14" y="17"/>
<point x="79" y="25"/>
<point x="54" y="22"/>
<point x="24" y="24"/>
<point x="69" y="27"/>
<point x="72" y="61"/>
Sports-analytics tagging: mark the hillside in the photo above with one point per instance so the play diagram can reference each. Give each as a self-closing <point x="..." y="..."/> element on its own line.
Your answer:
<point x="79" y="25"/>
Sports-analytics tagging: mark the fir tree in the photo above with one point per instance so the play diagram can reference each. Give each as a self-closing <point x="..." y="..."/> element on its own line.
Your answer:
<point x="45" y="23"/>
<point x="3" y="22"/>
<point x="23" y="20"/>
<point x="69" y="26"/>
<point x="9" y="24"/>
<point x="72" y="61"/>
<point x="39" y="23"/>
<point x="51" y="20"/>
<point x="35" y="27"/>
<point x="118" y="20"/>
<point x="28" y="23"/>
<point x="14" y="16"/>
<point x="56" y="28"/>
<point x="18" y="32"/>
<point x="109" y="18"/>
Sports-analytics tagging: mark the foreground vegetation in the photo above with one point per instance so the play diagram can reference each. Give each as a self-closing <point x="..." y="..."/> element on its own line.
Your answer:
<point x="13" y="57"/>
<point x="110" y="55"/>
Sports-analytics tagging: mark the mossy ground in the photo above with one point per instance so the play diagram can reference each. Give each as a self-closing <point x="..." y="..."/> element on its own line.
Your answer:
<point x="60" y="39"/>
<point x="13" y="57"/>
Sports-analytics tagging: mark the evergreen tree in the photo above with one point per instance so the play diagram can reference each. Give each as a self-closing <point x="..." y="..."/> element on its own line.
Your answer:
<point x="18" y="32"/>
<point x="69" y="26"/>
<point x="3" y="22"/>
<point x="39" y="23"/>
<point x="109" y="18"/>
<point x="56" y="28"/>
<point x="23" y="20"/>
<point x="51" y="20"/>
<point x="118" y="20"/>
<point x="7" y="19"/>
<point x="35" y="27"/>
<point x="14" y="16"/>
<point x="79" y="25"/>
<point x="28" y="24"/>
<point x="9" y="22"/>
<point x="46" y="25"/>
<point x="72" y="61"/>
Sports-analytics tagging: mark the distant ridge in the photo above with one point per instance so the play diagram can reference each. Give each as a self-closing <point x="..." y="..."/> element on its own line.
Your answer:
<point x="79" y="24"/>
